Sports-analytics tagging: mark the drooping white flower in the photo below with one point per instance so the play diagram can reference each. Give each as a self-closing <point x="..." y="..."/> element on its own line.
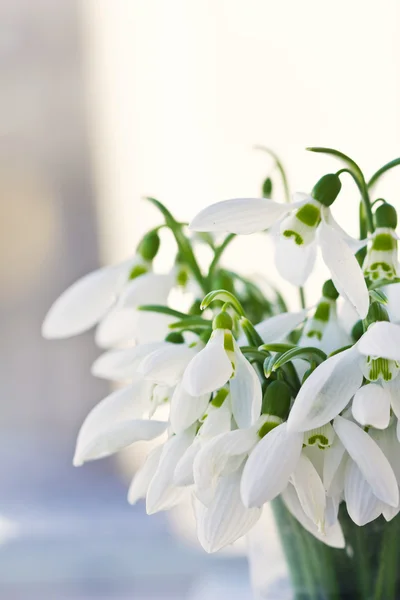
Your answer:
<point x="323" y="330"/>
<point x="219" y="362"/>
<point x="309" y="224"/>
<point x="381" y="262"/>
<point x="329" y="389"/>
<point x="108" y="296"/>
<point x="117" y="422"/>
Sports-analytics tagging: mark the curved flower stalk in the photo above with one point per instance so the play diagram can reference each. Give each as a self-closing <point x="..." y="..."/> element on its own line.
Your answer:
<point x="246" y="402"/>
<point x="310" y="223"/>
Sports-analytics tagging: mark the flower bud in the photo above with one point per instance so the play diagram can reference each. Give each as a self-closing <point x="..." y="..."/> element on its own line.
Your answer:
<point x="386" y="216"/>
<point x="149" y="245"/>
<point x="329" y="290"/>
<point x="175" y="337"/>
<point x="357" y="331"/>
<point x="267" y="188"/>
<point x="277" y="399"/>
<point x="327" y="189"/>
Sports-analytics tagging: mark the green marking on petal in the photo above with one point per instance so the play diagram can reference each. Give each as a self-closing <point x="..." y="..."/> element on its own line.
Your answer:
<point x="320" y="440"/>
<point x="138" y="270"/>
<point x="384" y="242"/>
<point x="314" y="333"/>
<point x="322" y="312"/>
<point x="293" y="234"/>
<point x="228" y="342"/>
<point x="309" y="214"/>
<point x="269" y="425"/>
<point x="219" y="398"/>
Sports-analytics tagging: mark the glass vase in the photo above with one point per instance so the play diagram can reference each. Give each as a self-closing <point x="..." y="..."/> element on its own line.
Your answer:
<point x="367" y="569"/>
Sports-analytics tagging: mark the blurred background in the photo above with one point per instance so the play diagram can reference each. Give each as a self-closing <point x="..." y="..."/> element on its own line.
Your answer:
<point x="101" y="103"/>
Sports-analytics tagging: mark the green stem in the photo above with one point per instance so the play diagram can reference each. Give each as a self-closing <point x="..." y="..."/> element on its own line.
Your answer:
<point x="302" y="297"/>
<point x="280" y="168"/>
<point x="217" y="256"/>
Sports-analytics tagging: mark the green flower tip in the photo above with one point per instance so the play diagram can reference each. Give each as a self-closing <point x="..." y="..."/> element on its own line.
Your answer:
<point x="223" y="321"/>
<point x="149" y="245"/>
<point x="329" y="290"/>
<point x="327" y="189"/>
<point x="267" y="188"/>
<point x="386" y="216"/>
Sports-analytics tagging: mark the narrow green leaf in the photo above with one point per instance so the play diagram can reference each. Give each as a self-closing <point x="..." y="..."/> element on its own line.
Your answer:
<point x="376" y="176"/>
<point x="165" y="310"/>
<point x="309" y="354"/>
<point x="223" y="296"/>
<point x="378" y="296"/>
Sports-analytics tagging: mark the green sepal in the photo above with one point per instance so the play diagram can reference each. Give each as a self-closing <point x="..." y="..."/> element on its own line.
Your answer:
<point x="386" y="216"/>
<point x="175" y="337"/>
<point x="150" y="245"/>
<point x="137" y="271"/>
<point x="222" y="320"/>
<point x="327" y="189"/>
<point x="267" y="188"/>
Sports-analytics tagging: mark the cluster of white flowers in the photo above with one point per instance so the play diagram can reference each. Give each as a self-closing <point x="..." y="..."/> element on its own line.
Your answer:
<point x="306" y="409"/>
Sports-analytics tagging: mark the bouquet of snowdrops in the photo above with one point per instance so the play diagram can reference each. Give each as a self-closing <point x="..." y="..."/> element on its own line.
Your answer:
<point x="250" y="402"/>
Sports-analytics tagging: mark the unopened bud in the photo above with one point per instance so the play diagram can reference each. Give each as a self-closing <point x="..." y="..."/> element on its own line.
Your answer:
<point x="327" y="189"/>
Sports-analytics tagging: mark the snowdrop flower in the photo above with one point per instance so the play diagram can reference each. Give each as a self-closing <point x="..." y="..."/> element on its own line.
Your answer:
<point x="329" y="389"/>
<point x="219" y="362"/>
<point x="304" y="225"/>
<point x="117" y="422"/>
<point x="370" y="484"/>
<point x="108" y="297"/>
<point x="323" y="330"/>
<point x="381" y="262"/>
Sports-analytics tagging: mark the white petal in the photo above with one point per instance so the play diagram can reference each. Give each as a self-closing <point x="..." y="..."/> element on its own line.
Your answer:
<point x="120" y="406"/>
<point x="362" y="505"/>
<point x="210" y="369"/>
<point x="186" y="409"/>
<point x="213" y="457"/>
<point x="166" y="365"/>
<point x="240" y="215"/>
<point x="119" y="436"/>
<point x="218" y="421"/>
<point x="390" y="512"/>
<point x="332" y="510"/>
<point x="333" y="337"/>
<point x="270" y="465"/>
<point x="227" y="519"/>
<point x="245" y="392"/>
<point x="393" y="306"/>
<point x="278" y="327"/>
<point x="333" y="536"/>
<point x="382" y="339"/>
<point x="295" y="263"/>
<point x="346" y="273"/>
<point x="353" y="243"/>
<point x="390" y="446"/>
<point x="84" y="303"/>
<point x="124" y="325"/>
<point x="120" y="365"/>
<point x="142" y="477"/>
<point x="150" y="288"/>
<point x="371" y="406"/>
<point x="162" y="492"/>
<point x="310" y="491"/>
<point x="183" y="474"/>
<point x="327" y="391"/>
<point x="370" y="459"/>
<point x="332" y="458"/>
<point x="393" y="388"/>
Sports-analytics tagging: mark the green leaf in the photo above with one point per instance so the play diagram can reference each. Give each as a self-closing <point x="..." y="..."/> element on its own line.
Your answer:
<point x="165" y="310"/>
<point x="250" y="332"/>
<point x="223" y="296"/>
<point x="310" y="354"/>
<point x="277" y="347"/>
<point x="188" y="322"/>
<point x="376" y="176"/>
<point x="184" y="247"/>
<point x="379" y="284"/>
